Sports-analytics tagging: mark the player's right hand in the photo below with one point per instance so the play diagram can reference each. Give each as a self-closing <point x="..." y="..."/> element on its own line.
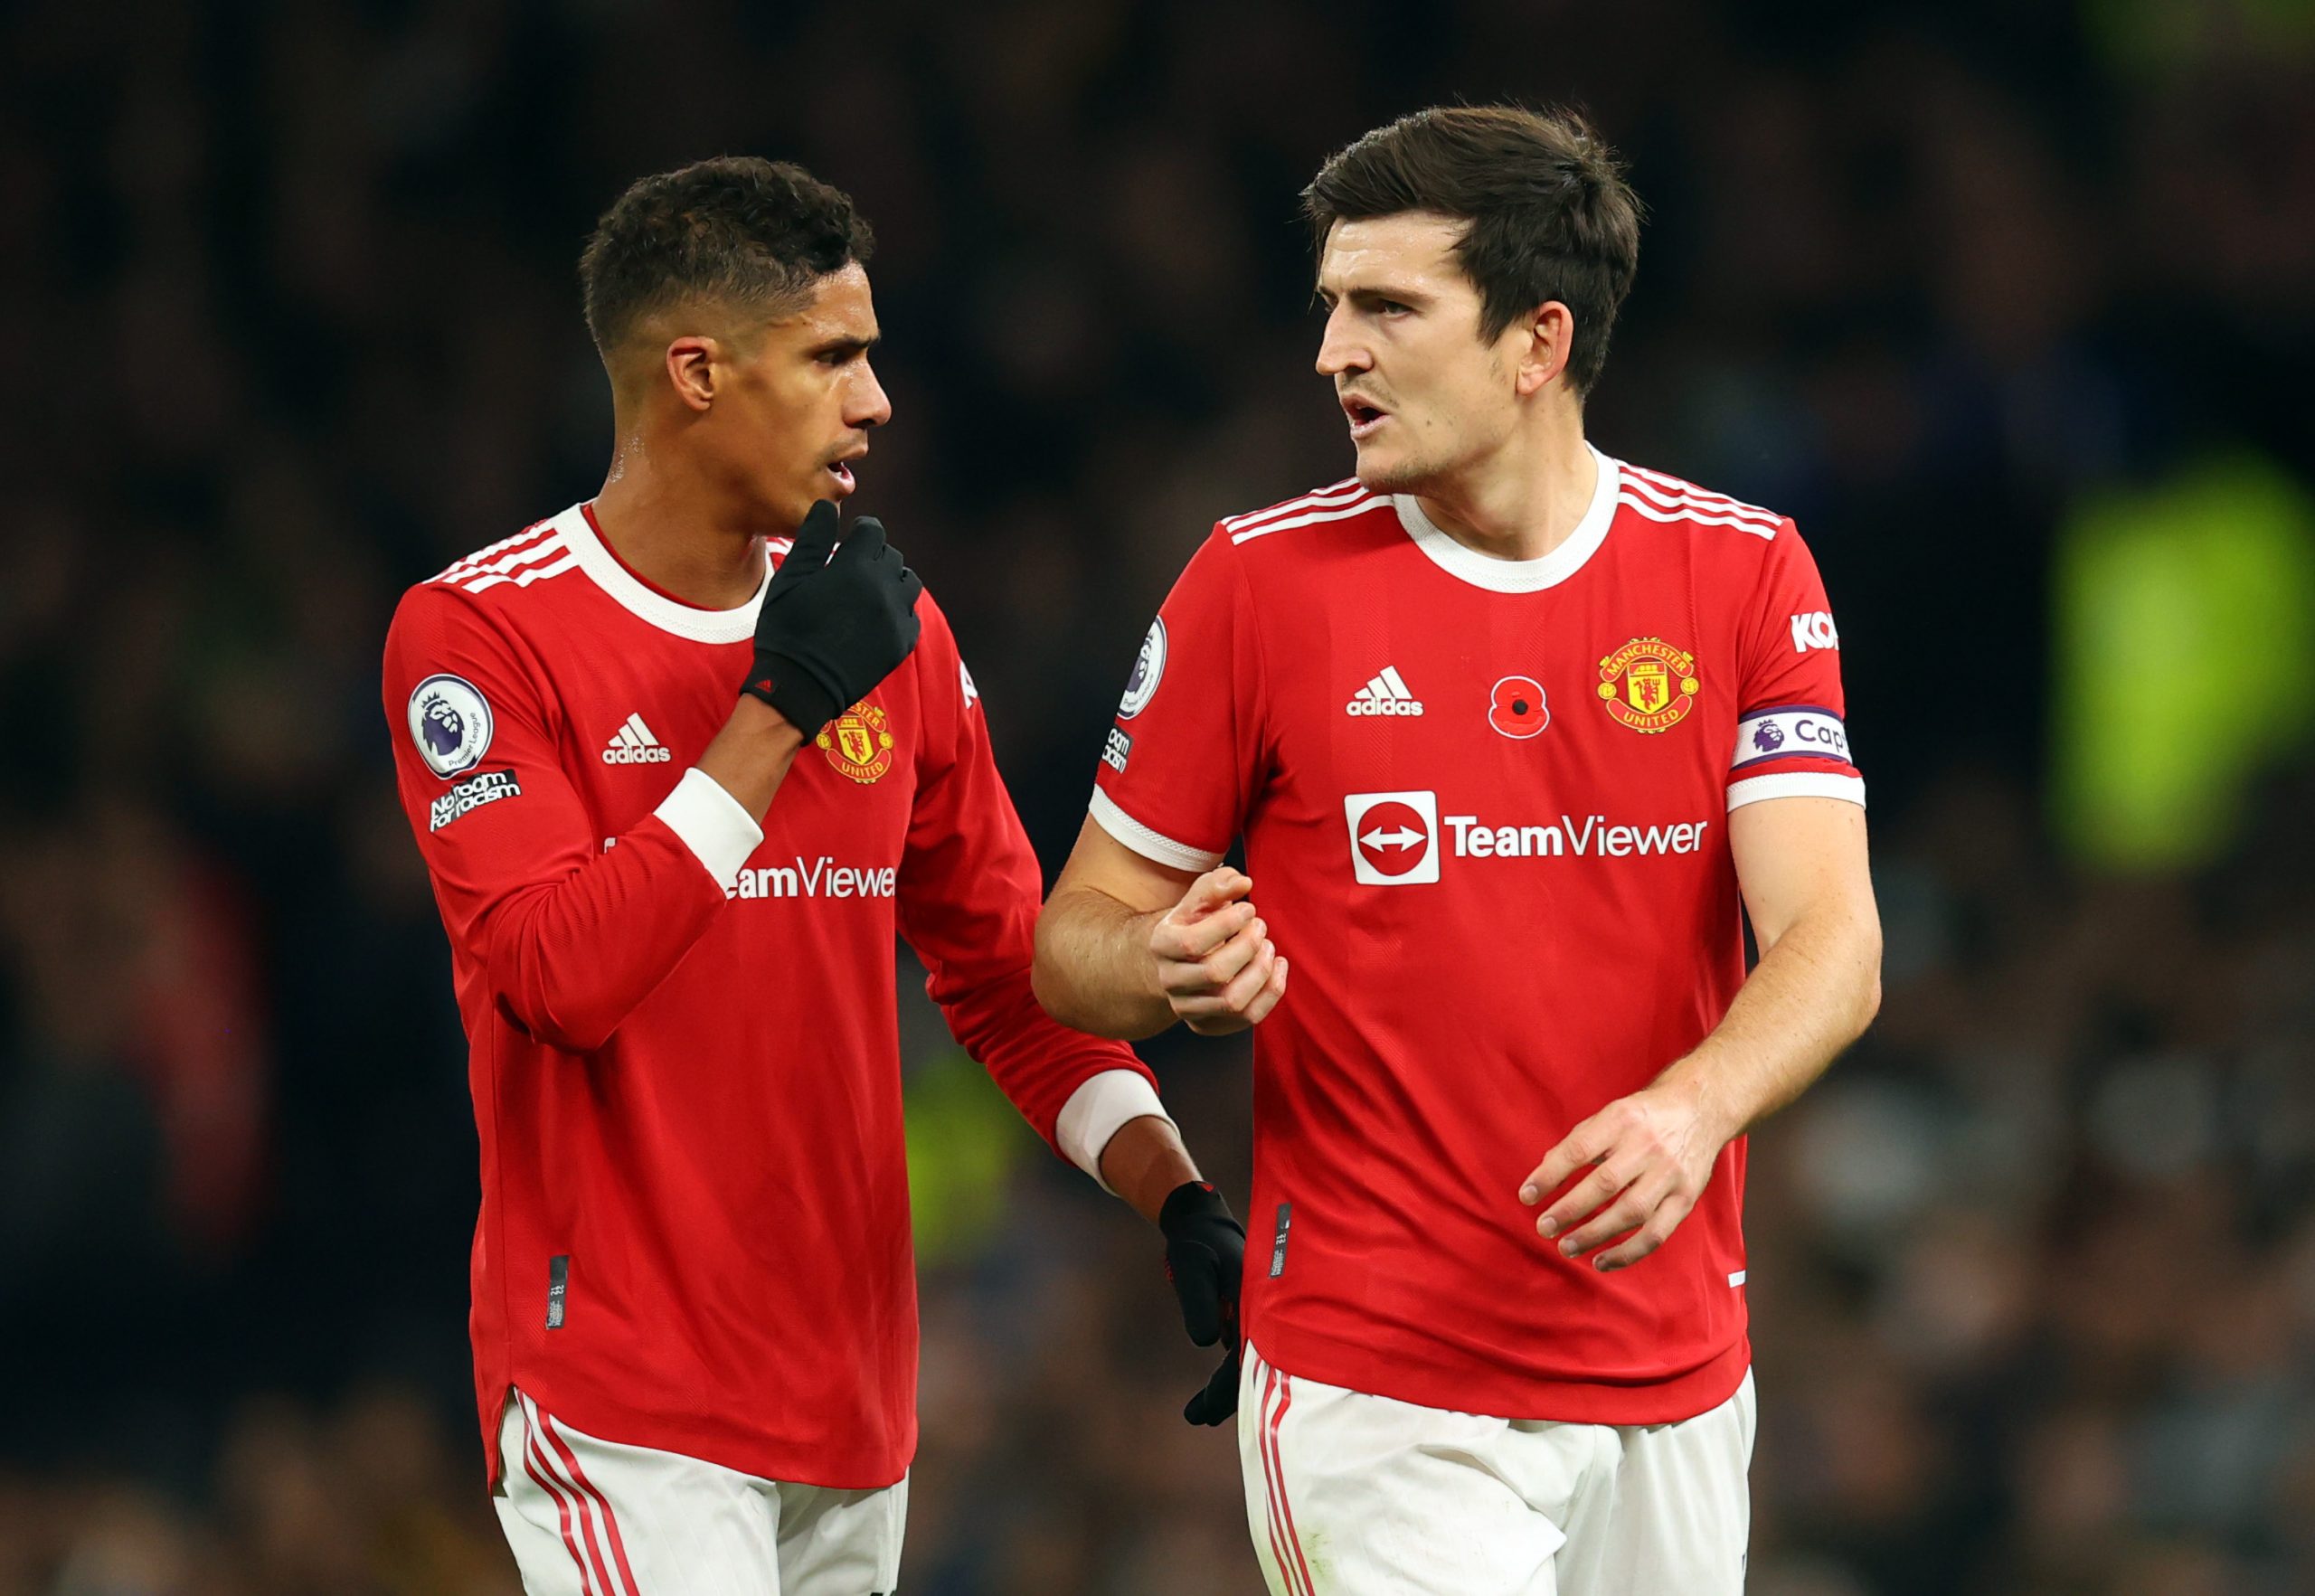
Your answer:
<point x="832" y="625"/>
<point x="1216" y="964"/>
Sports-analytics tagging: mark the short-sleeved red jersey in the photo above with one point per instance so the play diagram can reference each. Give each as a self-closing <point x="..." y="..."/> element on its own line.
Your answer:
<point x="694" y="1226"/>
<point x="1485" y="808"/>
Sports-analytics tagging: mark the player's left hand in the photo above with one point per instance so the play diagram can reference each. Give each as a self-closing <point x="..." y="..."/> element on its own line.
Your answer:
<point x="1206" y="1260"/>
<point x="1650" y="1155"/>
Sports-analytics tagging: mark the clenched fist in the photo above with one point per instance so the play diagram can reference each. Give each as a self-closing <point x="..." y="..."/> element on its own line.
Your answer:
<point x="1216" y="964"/>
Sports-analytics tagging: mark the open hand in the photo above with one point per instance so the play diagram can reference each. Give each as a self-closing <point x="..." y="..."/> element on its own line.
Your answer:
<point x="1650" y="1155"/>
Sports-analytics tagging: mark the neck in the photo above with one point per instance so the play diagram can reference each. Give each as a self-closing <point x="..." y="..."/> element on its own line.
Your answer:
<point x="1525" y="500"/>
<point x="673" y="530"/>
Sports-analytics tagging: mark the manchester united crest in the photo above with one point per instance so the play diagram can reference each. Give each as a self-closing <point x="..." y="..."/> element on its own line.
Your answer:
<point x="1649" y="685"/>
<point x="858" y="743"/>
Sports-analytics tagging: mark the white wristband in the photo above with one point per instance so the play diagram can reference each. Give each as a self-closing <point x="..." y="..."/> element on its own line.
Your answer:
<point x="720" y="833"/>
<point x="1098" y="1111"/>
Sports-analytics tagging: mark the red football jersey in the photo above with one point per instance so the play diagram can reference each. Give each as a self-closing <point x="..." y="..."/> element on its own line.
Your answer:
<point x="686" y="1065"/>
<point x="1485" y="808"/>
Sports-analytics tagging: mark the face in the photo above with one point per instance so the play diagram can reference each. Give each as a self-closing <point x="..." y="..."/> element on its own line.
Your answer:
<point x="794" y="399"/>
<point x="1425" y="397"/>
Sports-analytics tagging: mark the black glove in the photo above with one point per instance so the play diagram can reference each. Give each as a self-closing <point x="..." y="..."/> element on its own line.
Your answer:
<point x="830" y="629"/>
<point x="1205" y="1257"/>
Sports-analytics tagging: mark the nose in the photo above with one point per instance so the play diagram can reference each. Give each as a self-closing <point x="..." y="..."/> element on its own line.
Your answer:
<point x="870" y="405"/>
<point x="1341" y="349"/>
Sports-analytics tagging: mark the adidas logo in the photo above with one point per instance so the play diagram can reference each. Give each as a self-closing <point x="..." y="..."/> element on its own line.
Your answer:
<point x="633" y="744"/>
<point x="1386" y="694"/>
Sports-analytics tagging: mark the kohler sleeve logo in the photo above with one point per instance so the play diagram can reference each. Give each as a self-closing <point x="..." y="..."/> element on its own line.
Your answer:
<point x="1814" y="630"/>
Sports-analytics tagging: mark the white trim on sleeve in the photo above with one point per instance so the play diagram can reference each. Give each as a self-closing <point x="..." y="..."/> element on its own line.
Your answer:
<point x="1098" y="1111"/>
<point x="720" y="833"/>
<point x="1797" y="784"/>
<point x="1149" y="845"/>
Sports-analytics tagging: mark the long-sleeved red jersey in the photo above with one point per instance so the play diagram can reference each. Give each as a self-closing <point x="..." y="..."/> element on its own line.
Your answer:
<point x="694" y="1226"/>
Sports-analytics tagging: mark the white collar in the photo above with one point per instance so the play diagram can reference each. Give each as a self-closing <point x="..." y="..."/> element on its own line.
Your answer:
<point x="1517" y="576"/>
<point x="669" y="615"/>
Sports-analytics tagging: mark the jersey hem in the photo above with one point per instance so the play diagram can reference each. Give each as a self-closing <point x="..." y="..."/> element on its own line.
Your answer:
<point x="494" y="1425"/>
<point x="764" y="1458"/>
<point x="1539" y="1399"/>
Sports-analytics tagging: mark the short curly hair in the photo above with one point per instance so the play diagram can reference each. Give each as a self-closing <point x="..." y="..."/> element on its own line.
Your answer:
<point x="736" y="228"/>
<point x="1549" y="214"/>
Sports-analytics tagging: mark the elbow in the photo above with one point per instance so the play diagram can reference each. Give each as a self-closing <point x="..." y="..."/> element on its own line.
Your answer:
<point x="537" y="992"/>
<point x="1050" y="981"/>
<point x="1046" y="984"/>
<point x="1868" y="1002"/>
<point x="587" y="1034"/>
<point x="581" y="1029"/>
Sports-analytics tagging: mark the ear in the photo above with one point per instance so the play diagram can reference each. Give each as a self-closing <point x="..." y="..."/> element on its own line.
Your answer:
<point x="691" y="371"/>
<point x="1544" y="342"/>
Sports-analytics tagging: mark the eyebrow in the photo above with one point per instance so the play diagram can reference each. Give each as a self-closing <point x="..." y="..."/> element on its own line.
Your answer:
<point x="1370" y="296"/>
<point x="846" y="345"/>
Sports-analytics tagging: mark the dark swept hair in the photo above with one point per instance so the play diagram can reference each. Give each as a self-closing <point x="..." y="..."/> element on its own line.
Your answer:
<point x="1550" y="214"/>
<point x="739" y="229"/>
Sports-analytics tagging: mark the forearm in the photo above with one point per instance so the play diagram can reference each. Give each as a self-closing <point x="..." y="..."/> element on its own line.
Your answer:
<point x="1074" y="1089"/>
<point x="1144" y="1162"/>
<point x="1094" y="970"/>
<point x="1812" y="995"/>
<point x="571" y="960"/>
<point x="750" y="756"/>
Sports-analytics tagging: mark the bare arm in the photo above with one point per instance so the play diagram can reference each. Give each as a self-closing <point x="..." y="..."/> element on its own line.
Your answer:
<point x="1802" y="864"/>
<point x="1145" y="1162"/>
<point x="751" y="755"/>
<point x="1094" y="970"/>
<point x="1127" y="946"/>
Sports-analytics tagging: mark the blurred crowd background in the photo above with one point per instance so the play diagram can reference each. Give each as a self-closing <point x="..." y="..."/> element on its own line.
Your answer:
<point x="2010" y="302"/>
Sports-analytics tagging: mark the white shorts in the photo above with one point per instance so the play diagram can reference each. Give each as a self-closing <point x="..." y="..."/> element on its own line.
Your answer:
<point x="1361" y="1496"/>
<point x="590" y="1517"/>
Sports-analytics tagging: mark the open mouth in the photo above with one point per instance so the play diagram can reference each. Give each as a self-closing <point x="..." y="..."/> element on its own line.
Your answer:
<point x="1364" y="417"/>
<point x="841" y="471"/>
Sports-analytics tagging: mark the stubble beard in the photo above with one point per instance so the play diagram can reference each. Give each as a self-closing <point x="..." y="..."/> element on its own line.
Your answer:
<point x="1402" y="476"/>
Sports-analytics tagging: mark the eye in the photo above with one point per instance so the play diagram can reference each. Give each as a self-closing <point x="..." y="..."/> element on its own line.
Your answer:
<point x="1391" y="307"/>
